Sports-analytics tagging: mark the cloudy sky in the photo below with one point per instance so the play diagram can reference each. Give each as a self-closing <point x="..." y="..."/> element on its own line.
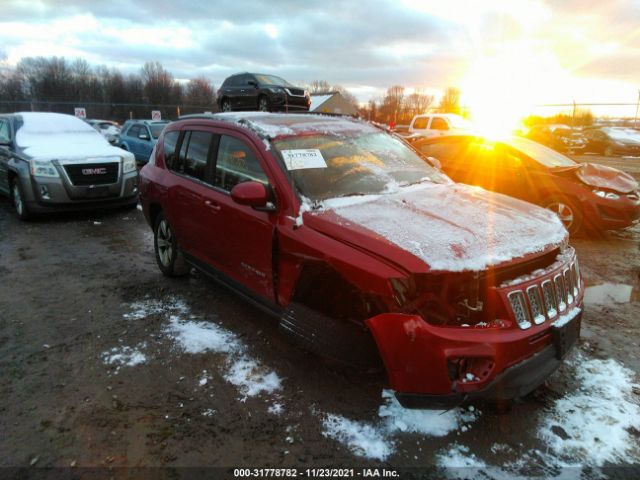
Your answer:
<point x="548" y="51"/>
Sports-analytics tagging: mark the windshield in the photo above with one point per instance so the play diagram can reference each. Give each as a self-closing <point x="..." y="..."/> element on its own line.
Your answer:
<point x="272" y="80"/>
<point x="541" y="154"/>
<point x="156" y="129"/>
<point x="365" y="163"/>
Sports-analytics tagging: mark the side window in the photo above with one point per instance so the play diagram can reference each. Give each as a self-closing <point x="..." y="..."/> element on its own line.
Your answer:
<point x="144" y="131"/>
<point x="438" y="123"/>
<point x="236" y="164"/>
<point x="195" y="161"/>
<point x="178" y="162"/>
<point x="421" y="123"/>
<point x="134" y="131"/>
<point x="4" y="131"/>
<point x="169" y="143"/>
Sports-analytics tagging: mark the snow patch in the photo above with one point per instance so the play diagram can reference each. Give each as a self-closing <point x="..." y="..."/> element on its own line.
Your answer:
<point x="362" y="439"/>
<point x="125" y="356"/>
<point x="252" y="378"/>
<point x="434" y="423"/>
<point x="147" y="307"/>
<point x="597" y="418"/>
<point x="198" y="337"/>
<point x="378" y="440"/>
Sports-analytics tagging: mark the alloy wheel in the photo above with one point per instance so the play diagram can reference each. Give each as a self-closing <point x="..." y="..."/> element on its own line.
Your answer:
<point x="165" y="243"/>
<point x="17" y="199"/>
<point x="226" y="106"/>
<point x="564" y="212"/>
<point x="263" y="104"/>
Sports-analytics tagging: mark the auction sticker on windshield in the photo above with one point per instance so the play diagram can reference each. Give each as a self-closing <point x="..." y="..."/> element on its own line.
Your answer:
<point x="303" y="158"/>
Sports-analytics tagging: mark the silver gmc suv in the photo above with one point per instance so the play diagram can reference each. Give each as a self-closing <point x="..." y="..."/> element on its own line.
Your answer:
<point x="54" y="162"/>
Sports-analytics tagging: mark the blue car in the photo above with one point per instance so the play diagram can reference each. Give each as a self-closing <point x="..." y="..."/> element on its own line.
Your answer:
<point x="140" y="136"/>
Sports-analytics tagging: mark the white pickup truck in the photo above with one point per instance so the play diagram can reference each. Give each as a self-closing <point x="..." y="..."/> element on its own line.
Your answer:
<point x="436" y="124"/>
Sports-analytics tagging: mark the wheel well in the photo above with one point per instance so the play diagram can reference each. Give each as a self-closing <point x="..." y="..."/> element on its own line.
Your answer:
<point x="324" y="290"/>
<point x="154" y="211"/>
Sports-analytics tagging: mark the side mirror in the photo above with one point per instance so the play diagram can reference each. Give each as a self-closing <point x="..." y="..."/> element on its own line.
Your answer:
<point x="435" y="162"/>
<point x="253" y="83"/>
<point x="143" y="136"/>
<point x="251" y="194"/>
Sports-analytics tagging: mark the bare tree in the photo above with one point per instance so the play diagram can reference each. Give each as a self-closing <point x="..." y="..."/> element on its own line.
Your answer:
<point x="450" y="102"/>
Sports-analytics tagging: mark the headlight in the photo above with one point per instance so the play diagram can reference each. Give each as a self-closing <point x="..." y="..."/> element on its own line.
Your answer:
<point x="609" y="195"/>
<point x="128" y="164"/>
<point x="43" y="168"/>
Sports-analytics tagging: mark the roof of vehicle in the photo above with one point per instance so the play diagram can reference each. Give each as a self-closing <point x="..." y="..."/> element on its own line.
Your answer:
<point x="272" y="125"/>
<point x="147" y="122"/>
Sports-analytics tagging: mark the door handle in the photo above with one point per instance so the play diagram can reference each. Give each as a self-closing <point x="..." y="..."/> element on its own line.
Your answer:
<point x="212" y="205"/>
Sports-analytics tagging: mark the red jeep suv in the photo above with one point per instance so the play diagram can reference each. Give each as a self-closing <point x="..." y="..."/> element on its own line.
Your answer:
<point x="366" y="252"/>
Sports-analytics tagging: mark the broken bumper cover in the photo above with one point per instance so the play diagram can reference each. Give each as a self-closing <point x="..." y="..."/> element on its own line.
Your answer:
<point x="419" y="362"/>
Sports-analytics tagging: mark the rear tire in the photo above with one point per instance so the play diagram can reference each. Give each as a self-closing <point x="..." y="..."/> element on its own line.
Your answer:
<point x="225" y="106"/>
<point x="17" y="199"/>
<point x="168" y="255"/>
<point x="569" y="213"/>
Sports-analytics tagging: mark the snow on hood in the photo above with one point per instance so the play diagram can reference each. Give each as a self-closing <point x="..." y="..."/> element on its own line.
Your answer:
<point x="55" y="135"/>
<point x="454" y="227"/>
<point x="602" y="176"/>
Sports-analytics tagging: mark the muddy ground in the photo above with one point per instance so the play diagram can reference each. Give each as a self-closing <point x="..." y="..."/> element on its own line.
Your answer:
<point x="76" y="290"/>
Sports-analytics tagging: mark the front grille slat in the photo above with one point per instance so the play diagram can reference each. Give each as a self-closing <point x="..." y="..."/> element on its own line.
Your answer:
<point x="85" y="174"/>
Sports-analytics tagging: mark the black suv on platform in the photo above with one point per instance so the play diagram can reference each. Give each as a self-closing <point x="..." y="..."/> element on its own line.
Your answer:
<point x="266" y="93"/>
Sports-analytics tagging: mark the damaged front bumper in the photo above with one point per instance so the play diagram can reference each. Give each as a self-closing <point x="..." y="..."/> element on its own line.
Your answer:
<point x="420" y="367"/>
<point x="537" y="322"/>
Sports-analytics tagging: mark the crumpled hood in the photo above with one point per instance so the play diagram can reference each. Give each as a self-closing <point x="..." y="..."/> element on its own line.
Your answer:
<point x="601" y="176"/>
<point x="449" y="227"/>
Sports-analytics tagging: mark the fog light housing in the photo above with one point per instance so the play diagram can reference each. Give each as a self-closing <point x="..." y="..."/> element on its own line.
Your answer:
<point x="44" y="192"/>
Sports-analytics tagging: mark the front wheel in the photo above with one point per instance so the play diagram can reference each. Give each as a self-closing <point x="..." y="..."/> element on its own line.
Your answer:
<point x="168" y="254"/>
<point x="17" y="197"/>
<point x="226" y="105"/>
<point x="263" y="104"/>
<point x="569" y="214"/>
<point x="608" y="151"/>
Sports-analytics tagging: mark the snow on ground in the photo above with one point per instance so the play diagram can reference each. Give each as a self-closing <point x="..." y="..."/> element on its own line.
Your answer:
<point x="378" y="440"/>
<point x="125" y="356"/>
<point x="362" y="439"/>
<point x="195" y="336"/>
<point x="149" y="306"/>
<point x="596" y="420"/>
<point x="251" y="378"/>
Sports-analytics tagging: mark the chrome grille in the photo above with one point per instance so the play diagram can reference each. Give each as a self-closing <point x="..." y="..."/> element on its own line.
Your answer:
<point x="519" y="308"/>
<point x="535" y="302"/>
<point x="549" y="299"/>
<point x="560" y="293"/>
<point x="568" y="285"/>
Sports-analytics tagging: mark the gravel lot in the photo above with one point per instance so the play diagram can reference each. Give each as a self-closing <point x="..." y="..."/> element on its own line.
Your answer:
<point x="105" y="363"/>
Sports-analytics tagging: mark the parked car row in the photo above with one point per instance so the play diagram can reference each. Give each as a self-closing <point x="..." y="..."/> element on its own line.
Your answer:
<point x="607" y="141"/>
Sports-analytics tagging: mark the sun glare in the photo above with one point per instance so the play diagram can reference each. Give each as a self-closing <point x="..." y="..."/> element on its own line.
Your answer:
<point x="501" y="88"/>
